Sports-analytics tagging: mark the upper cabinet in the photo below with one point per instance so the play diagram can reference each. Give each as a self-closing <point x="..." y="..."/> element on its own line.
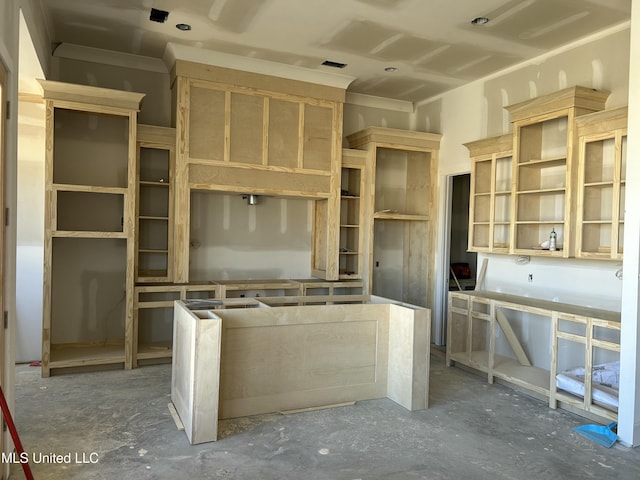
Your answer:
<point x="490" y="196"/>
<point x="601" y="184"/>
<point x="244" y="132"/>
<point x="545" y="168"/>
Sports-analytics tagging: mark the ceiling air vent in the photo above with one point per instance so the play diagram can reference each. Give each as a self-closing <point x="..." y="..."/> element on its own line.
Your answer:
<point x="159" y="16"/>
<point x="330" y="63"/>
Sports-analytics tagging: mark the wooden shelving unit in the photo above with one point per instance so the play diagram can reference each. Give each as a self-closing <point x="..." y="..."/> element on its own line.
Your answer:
<point x="352" y="202"/>
<point x="486" y="332"/>
<point x="545" y="168"/>
<point x="490" y="196"/>
<point x="89" y="226"/>
<point x="154" y="203"/>
<point x="601" y="184"/>
<point x="154" y="303"/>
<point x="401" y="209"/>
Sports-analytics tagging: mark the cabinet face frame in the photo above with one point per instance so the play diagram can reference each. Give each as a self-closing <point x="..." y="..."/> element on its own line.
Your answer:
<point x="352" y="213"/>
<point x="552" y="202"/>
<point x="89" y="101"/>
<point x="165" y="184"/>
<point x="417" y="223"/>
<point x="490" y="158"/>
<point x="301" y="119"/>
<point x="555" y="203"/>
<point x="600" y="331"/>
<point x="606" y="127"/>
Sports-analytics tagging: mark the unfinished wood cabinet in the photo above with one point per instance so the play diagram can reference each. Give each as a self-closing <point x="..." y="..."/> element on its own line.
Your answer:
<point x="247" y="133"/>
<point x="490" y="196"/>
<point x="352" y="223"/>
<point x="89" y="226"/>
<point x="545" y="168"/>
<point x="402" y="206"/>
<point x="528" y="342"/>
<point x="154" y="303"/>
<point x="154" y="203"/>
<point x="153" y="317"/>
<point x="601" y="184"/>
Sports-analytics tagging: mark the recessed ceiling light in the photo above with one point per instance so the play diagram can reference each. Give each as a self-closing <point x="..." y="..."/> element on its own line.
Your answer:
<point x="480" y="21"/>
<point x="185" y="27"/>
<point x="390" y="69"/>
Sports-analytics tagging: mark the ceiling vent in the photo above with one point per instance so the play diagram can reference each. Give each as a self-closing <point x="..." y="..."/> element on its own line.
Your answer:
<point x="159" y="16"/>
<point x="330" y="63"/>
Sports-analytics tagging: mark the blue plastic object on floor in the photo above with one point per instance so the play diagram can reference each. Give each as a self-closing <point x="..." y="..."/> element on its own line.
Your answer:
<point x="604" y="435"/>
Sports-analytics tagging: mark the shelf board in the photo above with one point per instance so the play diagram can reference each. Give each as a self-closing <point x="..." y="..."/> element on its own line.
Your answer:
<point x="350" y="197"/>
<point x="67" y="187"/>
<point x="502" y="193"/>
<point x="86" y="234"/>
<point x="479" y="359"/>
<point x="81" y="354"/>
<point x="386" y="215"/>
<point x="597" y="222"/>
<point x="608" y="183"/>
<point x="544" y="191"/>
<point x="348" y="253"/>
<point x="152" y="217"/>
<point x="349" y="226"/>
<point x="153" y="250"/>
<point x="540" y="222"/>
<point x="533" y="378"/>
<point x="150" y="183"/>
<point x="545" y="162"/>
<point x="154" y="350"/>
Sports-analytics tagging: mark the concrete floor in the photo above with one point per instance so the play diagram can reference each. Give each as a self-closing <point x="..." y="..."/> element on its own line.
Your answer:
<point x="471" y="431"/>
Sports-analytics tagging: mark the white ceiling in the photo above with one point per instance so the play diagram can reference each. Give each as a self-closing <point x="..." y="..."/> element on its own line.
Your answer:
<point x="432" y="43"/>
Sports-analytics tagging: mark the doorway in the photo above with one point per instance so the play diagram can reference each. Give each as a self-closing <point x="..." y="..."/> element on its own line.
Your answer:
<point x="3" y="114"/>
<point x="459" y="264"/>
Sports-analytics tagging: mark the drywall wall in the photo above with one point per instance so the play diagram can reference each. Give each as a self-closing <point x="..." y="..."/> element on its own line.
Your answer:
<point x="30" y="231"/>
<point x="476" y="111"/>
<point x="131" y="73"/>
<point x="231" y="240"/>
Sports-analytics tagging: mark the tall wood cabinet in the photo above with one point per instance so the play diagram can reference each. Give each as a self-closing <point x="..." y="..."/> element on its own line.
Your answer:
<point x="401" y="210"/>
<point x="545" y="168"/>
<point x="89" y="225"/>
<point x="353" y="188"/>
<point x="154" y="203"/>
<point x="601" y="184"/>
<point x="490" y="195"/>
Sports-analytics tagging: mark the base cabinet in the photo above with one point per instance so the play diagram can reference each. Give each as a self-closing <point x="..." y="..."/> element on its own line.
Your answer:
<point x="535" y="344"/>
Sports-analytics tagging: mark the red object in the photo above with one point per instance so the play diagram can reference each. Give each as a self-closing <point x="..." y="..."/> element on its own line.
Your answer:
<point x="14" y="435"/>
<point x="461" y="270"/>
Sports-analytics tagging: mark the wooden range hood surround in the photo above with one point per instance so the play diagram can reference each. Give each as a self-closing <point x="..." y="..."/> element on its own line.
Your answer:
<point x="248" y="132"/>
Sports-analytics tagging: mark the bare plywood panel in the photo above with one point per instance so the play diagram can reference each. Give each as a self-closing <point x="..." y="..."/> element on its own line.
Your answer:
<point x="284" y="117"/>
<point x="196" y="373"/>
<point x="206" y="123"/>
<point x="288" y="358"/>
<point x="318" y="139"/>
<point x="246" y="141"/>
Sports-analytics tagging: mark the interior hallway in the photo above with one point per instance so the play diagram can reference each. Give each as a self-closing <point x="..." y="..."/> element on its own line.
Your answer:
<point x="472" y="430"/>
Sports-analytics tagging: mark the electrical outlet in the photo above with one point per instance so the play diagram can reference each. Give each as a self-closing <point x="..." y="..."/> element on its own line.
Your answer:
<point x="530" y="278"/>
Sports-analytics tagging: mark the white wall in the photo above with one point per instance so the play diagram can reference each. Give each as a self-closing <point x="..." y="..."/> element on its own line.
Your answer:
<point x="9" y="21"/>
<point x="476" y="111"/>
<point x="232" y="240"/>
